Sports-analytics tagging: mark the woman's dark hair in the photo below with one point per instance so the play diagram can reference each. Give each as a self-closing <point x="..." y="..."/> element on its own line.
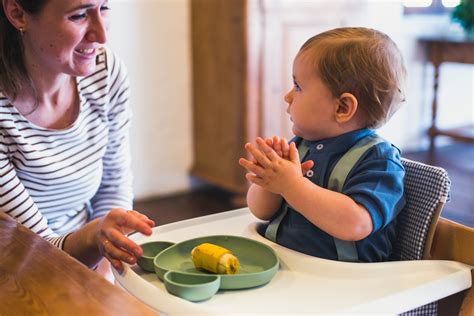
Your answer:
<point x="13" y="72"/>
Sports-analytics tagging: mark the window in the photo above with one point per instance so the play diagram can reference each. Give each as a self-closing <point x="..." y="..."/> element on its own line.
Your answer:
<point x="429" y="6"/>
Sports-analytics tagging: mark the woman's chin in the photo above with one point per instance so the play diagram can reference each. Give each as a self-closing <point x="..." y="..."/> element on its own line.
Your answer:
<point x="84" y="71"/>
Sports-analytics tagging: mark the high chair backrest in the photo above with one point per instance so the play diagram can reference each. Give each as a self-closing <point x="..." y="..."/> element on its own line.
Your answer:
<point x="426" y="192"/>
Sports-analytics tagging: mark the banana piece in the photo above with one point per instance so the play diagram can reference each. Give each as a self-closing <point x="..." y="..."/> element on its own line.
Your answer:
<point x="215" y="259"/>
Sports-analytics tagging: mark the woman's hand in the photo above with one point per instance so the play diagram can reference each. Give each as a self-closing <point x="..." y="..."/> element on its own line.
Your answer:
<point x="111" y="240"/>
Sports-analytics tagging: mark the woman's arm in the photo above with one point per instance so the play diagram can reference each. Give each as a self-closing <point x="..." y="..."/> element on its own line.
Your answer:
<point x="115" y="190"/>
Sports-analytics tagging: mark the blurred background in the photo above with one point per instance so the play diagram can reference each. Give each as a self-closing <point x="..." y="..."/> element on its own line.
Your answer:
<point x="209" y="75"/>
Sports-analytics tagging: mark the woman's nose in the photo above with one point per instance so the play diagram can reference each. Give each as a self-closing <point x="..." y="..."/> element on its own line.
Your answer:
<point x="98" y="31"/>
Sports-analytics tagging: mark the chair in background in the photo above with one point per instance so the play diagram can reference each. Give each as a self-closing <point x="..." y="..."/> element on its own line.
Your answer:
<point x="426" y="192"/>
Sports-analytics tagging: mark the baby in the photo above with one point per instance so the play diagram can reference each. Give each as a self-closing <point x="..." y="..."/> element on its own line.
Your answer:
<point x="336" y="189"/>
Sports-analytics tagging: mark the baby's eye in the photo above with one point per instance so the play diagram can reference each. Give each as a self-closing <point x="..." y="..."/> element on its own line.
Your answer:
<point x="297" y="86"/>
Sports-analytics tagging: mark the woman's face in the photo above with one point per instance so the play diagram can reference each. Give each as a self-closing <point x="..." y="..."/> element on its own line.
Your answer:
<point x="64" y="36"/>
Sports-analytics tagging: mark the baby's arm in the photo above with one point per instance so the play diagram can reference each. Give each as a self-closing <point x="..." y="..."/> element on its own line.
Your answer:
<point x="262" y="203"/>
<point x="333" y="212"/>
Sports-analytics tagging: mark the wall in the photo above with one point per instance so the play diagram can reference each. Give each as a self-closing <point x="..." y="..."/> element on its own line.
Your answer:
<point x="152" y="38"/>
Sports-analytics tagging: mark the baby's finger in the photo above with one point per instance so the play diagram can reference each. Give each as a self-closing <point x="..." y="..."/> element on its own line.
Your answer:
<point x="268" y="151"/>
<point x="285" y="148"/>
<point x="307" y="165"/>
<point x="293" y="153"/>
<point x="256" y="169"/>
<point x="277" y="146"/>
<point x="259" y="156"/>
<point x="254" y="179"/>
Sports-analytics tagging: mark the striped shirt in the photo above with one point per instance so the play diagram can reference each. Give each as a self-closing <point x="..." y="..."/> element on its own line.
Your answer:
<point x="54" y="181"/>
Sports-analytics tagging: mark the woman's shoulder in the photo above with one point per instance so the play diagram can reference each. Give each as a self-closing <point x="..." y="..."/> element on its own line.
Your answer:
<point x="6" y="108"/>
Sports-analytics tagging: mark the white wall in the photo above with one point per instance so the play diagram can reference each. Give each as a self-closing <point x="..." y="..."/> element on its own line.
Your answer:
<point x="456" y="86"/>
<point x="152" y="37"/>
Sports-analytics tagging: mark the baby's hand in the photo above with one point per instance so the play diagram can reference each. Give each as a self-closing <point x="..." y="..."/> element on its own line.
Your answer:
<point x="271" y="171"/>
<point x="279" y="145"/>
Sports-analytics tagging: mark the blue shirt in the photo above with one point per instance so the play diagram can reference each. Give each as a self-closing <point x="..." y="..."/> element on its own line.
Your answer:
<point x="375" y="182"/>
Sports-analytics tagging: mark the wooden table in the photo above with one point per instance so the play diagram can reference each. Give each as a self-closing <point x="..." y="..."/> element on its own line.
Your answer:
<point x="456" y="49"/>
<point x="39" y="279"/>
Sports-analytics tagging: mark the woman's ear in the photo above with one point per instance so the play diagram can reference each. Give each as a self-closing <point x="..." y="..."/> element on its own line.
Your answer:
<point x="15" y="14"/>
<point x="346" y="107"/>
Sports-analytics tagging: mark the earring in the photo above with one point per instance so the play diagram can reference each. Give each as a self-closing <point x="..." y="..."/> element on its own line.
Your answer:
<point x="22" y="30"/>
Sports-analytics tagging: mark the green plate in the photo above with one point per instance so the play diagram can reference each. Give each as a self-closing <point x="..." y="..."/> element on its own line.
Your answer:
<point x="258" y="262"/>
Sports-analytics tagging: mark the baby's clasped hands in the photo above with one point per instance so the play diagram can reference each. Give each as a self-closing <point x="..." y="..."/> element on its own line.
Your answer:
<point x="274" y="165"/>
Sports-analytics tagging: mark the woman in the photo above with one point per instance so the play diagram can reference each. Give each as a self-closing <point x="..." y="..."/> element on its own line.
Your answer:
<point x="64" y="121"/>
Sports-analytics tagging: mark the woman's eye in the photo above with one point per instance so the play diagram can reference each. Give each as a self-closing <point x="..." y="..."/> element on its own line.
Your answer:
<point x="105" y="8"/>
<point x="77" y="17"/>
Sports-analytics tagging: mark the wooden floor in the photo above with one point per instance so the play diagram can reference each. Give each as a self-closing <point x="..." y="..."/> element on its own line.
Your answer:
<point x="457" y="159"/>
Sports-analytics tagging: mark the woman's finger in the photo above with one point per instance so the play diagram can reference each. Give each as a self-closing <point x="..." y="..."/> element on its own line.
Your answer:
<point x="142" y="217"/>
<point x="117" y="264"/>
<point x="130" y="221"/>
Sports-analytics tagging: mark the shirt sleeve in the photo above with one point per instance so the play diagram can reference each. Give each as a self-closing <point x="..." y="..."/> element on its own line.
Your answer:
<point x="16" y="202"/>
<point x="115" y="190"/>
<point x="377" y="184"/>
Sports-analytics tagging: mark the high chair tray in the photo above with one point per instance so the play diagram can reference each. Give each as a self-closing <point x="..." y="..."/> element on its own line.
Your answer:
<point x="303" y="284"/>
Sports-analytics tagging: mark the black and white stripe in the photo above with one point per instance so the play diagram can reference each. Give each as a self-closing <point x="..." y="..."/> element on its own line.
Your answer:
<point x="53" y="181"/>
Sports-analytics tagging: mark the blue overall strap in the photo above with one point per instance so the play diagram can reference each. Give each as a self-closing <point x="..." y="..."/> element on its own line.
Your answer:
<point x="346" y="250"/>
<point x="272" y="228"/>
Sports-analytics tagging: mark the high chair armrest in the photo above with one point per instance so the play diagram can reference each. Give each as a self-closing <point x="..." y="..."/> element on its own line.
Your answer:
<point x="453" y="241"/>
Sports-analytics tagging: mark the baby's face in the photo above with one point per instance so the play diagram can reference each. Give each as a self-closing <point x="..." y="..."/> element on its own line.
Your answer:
<point x="311" y="105"/>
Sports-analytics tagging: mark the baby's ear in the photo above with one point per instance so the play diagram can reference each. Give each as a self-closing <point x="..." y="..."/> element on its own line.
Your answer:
<point x="346" y="107"/>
